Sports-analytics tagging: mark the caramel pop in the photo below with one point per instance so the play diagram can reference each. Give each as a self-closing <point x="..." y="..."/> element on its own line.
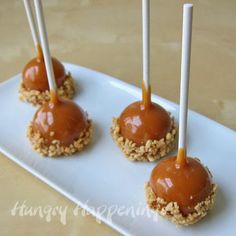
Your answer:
<point x="180" y="188"/>
<point x="34" y="87"/>
<point x="59" y="127"/>
<point x="144" y="131"/>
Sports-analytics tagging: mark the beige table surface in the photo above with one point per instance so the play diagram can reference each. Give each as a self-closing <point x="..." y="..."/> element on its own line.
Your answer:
<point x="105" y="35"/>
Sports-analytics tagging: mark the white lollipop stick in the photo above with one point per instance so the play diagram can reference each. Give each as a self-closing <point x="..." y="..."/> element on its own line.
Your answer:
<point x="32" y="24"/>
<point x="146" y="43"/>
<point x="185" y="69"/>
<point x="45" y="47"/>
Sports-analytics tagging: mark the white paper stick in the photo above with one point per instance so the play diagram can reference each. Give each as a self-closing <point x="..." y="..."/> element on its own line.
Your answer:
<point x="146" y="42"/>
<point x="32" y="24"/>
<point x="185" y="69"/>
<point x="44" y="44"/>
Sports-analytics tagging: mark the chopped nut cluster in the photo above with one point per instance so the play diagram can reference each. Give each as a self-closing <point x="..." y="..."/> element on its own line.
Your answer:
<point x="37" y="98"/>
<point x="151" y="151"/>
<point x="55" y="149"/>
<point x="171" y="210"/>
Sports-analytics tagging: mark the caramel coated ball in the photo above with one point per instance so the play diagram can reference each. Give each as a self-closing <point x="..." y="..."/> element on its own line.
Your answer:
<point x="35" y="76"/>
<point x="61" y="120"/>
<point x="187" y="185"/>
<point x="140" y="124"/>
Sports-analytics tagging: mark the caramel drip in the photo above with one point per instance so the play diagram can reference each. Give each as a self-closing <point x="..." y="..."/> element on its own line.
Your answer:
<point x="39" y="52"/>
<point x="54" y="97"/>
<point x="181" y="159"/>
<point x="146" y="96"/>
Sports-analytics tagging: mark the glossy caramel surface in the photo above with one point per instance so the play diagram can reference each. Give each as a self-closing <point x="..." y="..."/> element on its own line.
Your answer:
<point x="186" y="184"/>
<point x="146" y="95"/>
<point x="140" y="124"/>
<point x="116" y="50"/>
<point x="35" y="76"/>
<point x="62" y="117"/>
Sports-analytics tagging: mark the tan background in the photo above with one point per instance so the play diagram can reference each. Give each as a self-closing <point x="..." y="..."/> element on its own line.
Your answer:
<point x="106" y="35"/>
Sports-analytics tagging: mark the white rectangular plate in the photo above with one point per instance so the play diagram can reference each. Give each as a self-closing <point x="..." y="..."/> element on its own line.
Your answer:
<point x="102" y="176"/>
